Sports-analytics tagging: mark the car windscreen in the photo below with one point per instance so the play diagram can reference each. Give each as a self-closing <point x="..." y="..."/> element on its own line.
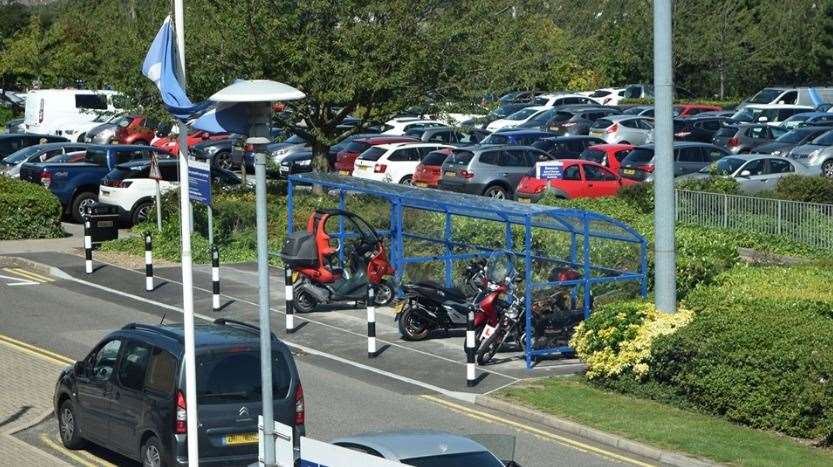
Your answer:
<point x="495" y="138"/>
<point x="372" y="154"/>
<point x="434" y="158"/>
<point x="794" y="136"/>
<point x="543" y="117"/>
<point x="226" y="376"/>
<point x="357" y="146"/>
<point x="725" y="166"/>
<point x="744" y="115"/>
<point x="594" y="155"/>
<point x="544" y="144"/>
<point x="639" y="156"/>
<point x="602" y="123"/>
<point x="479" y="459"/>
<point x="765" y="96"/>
<point x="826" y="139"/>
<point x="460" y="157"/>
<point x="21" y="155"/>
<point x="295" y="139"/>
<point x="522" y="114"/>
<point x="97" y="156"/>
<point x="122" y="172"/>
<point x="416" y="132"/>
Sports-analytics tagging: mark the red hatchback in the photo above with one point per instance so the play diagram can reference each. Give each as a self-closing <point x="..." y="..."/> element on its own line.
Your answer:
<point x="171" y="143"/>
<point x="429" y="172"/>
<point x="570" y="178"/>
<point x="687" y="110"/>
<point x="609" y="155"/>
<point x="347" y="157"/>
<point x="136" y="130"/>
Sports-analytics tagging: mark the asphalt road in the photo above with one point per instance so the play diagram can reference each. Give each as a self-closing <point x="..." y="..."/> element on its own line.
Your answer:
<point x="68" y="318"/>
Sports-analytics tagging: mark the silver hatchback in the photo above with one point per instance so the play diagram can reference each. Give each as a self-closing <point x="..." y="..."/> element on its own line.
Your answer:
<point x="623" y="129"/>
<point x="492" y="171"/>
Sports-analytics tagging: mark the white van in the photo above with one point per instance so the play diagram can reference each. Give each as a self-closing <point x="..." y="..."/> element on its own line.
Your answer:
<point x="66" y="112"/>
<point x="771" y="114"/>
<point x="786" y="95"/>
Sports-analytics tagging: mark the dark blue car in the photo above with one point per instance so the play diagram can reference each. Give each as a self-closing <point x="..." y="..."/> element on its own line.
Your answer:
<point x="516" y="137"/>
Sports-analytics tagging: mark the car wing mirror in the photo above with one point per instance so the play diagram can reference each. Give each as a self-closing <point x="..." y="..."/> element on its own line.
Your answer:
<point x="745" y="174"/>
<point x="80" y="367"/>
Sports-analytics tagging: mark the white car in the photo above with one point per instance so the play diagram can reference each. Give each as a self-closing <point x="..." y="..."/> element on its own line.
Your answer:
<point x="129" y="188"/>
<point x="555" y="100"/>
<point x="518" y="118"/>
<point x="66" y="112"/>
<point x="393" y="163"/>
<point x="771" y="114"/>
<point x="608" y="96"/>
<point x="398" y="126"/>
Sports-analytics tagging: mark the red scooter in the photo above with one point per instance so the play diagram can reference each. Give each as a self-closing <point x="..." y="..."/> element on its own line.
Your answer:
<point x="313" y="256"/>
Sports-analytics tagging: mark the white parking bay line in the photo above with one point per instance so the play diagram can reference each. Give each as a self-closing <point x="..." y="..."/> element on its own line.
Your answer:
<point x="18" y="280"/>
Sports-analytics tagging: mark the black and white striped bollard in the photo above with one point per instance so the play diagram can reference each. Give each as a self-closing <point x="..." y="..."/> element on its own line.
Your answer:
<point x="290" y="306"/>
<point x="470" y="370"/>
<point x="88" y="247"/>
<point x="371" y="323"/>
<point x="148" y="263"/>
<point x="215" y="278"/>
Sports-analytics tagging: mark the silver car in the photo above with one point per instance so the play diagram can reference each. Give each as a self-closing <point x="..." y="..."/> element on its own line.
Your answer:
<point x="817" y="154"/>
<point x="623" y="129"/>
<point x="754" y="174"/>
<point x="487" y="170"/>
<point x="423" y="448"/>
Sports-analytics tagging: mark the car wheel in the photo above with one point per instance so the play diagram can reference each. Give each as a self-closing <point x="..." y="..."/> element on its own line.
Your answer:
<point x="68" y="426"/>
<point x="223" y="160"/>
<point x="152" y="453"/>
<point x="141" y="212"/>
<point x="80" y="204"/>
<point x="496" y="192"/>
<point x="827" y="169"/>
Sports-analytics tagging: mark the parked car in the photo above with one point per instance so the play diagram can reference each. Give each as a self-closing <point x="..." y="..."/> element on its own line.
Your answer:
<point x="429" y="171"/>
<point x="296" y="163"/>
<point x="791" y="139"/>
<point x="808" y="119"/>
<point x="341" y="145"/>
<point x="63" y="112"/>
<point x="135" y="129"/>
<point x="646" y="91"/>
<point x="523" y="137"/>
<point x="576" y="179"/>
<point x="10" y="143"/>
<point x="639" y="165"/>
<point x="561" y="99"/>
<point x="608" y="155"/>
<point x="423" y="448"/>
<point x="400" y="126"/>
<point x="771" y="114"/>
<point x="128" y="394"/>
<point x="171" y="142"/>
<point x="217" y="152"/>
<point x="807" y="96"/>
<point x="638" y="110"/>
<point x="505" y="110"/>
<point x="702" y="129"/>
<point x="688" y="110"/>
<point x="745" y="138"/>
<point x="76" y="185"/>
<point x="16" y="125"/>
<point x="347" y="157"/>
<point x="566" y="147"/>
<point x="392" y="163"/>
<point x="754" y="174"/>
<point x="10" y="166"/>
<point x="129" y="188"/>
<point x="571" y="121"/>
<point x="520" y="97"/>
<point x="518" y="118"/>
<point x="492" y="171"/>
<point x="813" y="148"/>
<point x="623" y="129"/>
<point x="608" y="96"/>
<point x="442" y="135"/>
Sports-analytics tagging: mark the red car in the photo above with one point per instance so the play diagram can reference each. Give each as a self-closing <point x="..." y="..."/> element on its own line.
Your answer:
<point x="136" y="129"/>
<point x="171" y="143"/>
<point x="687" y="110"/>
<point x="429" y="172"/>
<point x="609" y="155"/>
<point x="570" y="178"/>
<point x="346" y="157"/>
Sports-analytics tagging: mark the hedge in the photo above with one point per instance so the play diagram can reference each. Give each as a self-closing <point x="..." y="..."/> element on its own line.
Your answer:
<point x="28" y="210"/>
<point x="726" y="104"/>
<point x="807" y="189"/>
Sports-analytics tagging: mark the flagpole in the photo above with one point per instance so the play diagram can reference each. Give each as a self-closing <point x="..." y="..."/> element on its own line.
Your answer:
<point x="187" y="264"/>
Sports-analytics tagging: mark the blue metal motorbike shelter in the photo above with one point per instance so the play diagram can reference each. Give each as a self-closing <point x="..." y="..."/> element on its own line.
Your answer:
<point x="586" y="241"/>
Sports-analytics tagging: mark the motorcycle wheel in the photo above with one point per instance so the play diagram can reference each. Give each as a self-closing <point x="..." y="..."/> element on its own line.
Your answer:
<point x="488" y="348"/>
<point x="382" y="294"/>
<point x="304" y="302"/>
<point x="410" y="327"/>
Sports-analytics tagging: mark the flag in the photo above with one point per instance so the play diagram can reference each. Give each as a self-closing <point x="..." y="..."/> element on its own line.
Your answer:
<point x="160" y="67"/>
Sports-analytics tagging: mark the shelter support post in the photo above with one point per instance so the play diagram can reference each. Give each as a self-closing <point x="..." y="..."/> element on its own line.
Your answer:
<point x="448" y="250"/>
<point x="371" y="322"/>
<point x="530" y="329"/>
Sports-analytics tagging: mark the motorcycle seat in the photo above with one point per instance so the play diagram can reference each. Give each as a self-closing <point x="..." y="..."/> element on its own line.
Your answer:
<point x="451" y="293"/>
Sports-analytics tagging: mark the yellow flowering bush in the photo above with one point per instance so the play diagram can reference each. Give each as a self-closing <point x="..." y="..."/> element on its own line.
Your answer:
<point x="617" y="338"/>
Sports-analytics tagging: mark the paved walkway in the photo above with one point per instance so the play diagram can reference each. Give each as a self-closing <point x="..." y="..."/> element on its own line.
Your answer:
<point x="25" y="398"/>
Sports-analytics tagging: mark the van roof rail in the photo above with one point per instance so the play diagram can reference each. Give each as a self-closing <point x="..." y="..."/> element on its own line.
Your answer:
<point x="251" y="328"/>
<point x="157" y="329"/>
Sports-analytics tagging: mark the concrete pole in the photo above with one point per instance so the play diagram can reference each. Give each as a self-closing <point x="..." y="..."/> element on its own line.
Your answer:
<point x="665" y="257"/>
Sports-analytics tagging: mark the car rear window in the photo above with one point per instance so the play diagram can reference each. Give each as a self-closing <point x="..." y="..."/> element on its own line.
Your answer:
<point x="372" y="154"/>
<point x="602" y="123"/>
<point x="639" y="156"/>
<point x="97" y="156"/>
<point x="496" y="138"/>
<point x="233" y="376"/>
<point x="122" y="172"/>
<point x="434" y="158"/>
<point x="593" y="155"/>
<point x="357" y="146"/>
<point x="544" y="144"/>
<point x="826" y="139"/>
<point x="91" y="101"/>
<point x="726" y="131"/>
<point x="21" y="155"/>
<point x="460" y="157"/>
<point x="480" y="459"/>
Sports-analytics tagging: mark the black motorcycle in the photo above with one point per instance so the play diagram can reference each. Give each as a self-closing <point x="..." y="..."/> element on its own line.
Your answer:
<point x="429" y="306"/>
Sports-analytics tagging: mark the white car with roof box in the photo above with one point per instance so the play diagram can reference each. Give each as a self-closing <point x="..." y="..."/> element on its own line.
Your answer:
<point x="66" y="112"/>
<point x="393" y="163"/>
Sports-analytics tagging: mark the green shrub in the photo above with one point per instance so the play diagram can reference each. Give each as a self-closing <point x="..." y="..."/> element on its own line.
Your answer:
<point x="6" y="114"/>
<point x="807" y="189"/>
<point x="722" y="185"/>
<point x="28" y="210"/>
<point x="639" y="196"/>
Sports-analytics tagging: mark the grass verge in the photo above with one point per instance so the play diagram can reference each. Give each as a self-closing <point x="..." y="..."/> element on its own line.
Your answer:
<point x="664" y="426"/>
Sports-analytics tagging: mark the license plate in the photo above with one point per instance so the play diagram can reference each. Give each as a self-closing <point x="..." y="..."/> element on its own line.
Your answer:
<point x="294" y="277"/>
<point x="421" y="184"/>
<point x="487" y="332"/>
<point x="629" y="171"/>
<point x="103" y="224"/>
<point x="399" y="307"/>
<point x="242" y="438"/>
<point x="343" y="172"/>
<point x="524" y="200"/>
<point x="450" y="174"/>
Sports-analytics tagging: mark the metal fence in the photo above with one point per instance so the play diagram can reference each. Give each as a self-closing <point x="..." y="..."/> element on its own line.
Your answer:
<point x="808" y="223"/>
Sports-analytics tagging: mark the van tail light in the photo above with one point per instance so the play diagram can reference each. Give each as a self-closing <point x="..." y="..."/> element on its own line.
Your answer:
<point x="466" y="174"/>
<point x="612" y="128"/>
<point x="40" y="112"/>
<point x="733" y="142"/>
<point x="299" y="405"/>
<point x="181" y="423"/>
<point x="647" y="167"/>
<point x="380" y="168"/>
<point x="45" y="178"/>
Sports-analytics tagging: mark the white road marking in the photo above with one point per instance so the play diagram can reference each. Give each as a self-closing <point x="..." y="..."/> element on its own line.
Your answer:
<point x="19" y="281"/>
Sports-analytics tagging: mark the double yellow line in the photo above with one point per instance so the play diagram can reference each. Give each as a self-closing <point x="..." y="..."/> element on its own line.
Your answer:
<point x="487" y="417"/>
<point x="29" y="275"/>
<point x="35" y="351"/>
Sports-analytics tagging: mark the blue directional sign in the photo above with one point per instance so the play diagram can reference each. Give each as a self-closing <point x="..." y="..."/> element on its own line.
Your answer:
<point x="199" y="182"/>
<point x="552" y="170"/>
